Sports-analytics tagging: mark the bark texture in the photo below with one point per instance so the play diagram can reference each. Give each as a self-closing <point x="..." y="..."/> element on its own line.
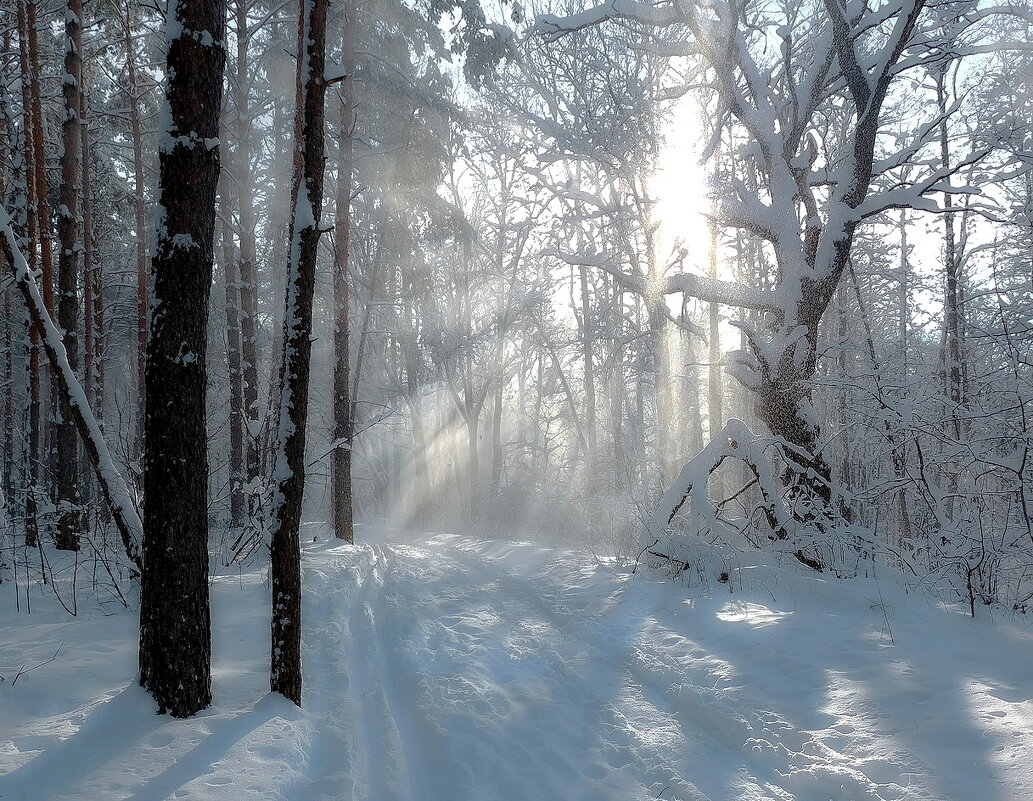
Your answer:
<point x="285" y="662"/>
<point x="175" y="629"/>
<point x="67" y="467"/>
<point x="344" y="423"/>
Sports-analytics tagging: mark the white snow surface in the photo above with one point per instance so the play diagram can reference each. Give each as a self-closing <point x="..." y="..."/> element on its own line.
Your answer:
<point x="445" y="668"/>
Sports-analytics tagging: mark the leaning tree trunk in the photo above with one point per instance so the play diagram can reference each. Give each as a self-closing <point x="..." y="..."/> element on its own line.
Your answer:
<point x="175" y="628"/>
<point x="112" y="485"/>
<point x="67" y="469"/>
<point x="289" y="469"/>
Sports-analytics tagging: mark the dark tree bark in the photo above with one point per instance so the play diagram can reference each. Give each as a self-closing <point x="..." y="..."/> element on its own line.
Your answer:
<point x="93" y="336"/>
<point x="38" y="414"/>
<point x="289" y="469"/>
<point x="175" y="628"/>
<point x="67" y="467"/>
<point x="344" y="422"/>
<point x="32" y="231"/>
<point x="89" y="266"/>
<point x="232" y="286"/>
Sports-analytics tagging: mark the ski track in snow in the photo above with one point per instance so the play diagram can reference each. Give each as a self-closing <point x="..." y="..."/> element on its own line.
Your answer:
<point x="454" y="669"/>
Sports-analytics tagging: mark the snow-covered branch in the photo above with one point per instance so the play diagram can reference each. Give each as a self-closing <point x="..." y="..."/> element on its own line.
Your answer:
<point x="708" y="290"/>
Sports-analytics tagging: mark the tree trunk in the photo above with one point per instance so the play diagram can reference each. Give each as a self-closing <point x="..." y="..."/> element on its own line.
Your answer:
<point x="8" y="381"/>
<point x="248" y="269"/>
<point x="344" y="421"/>
<point x="232" y="297"/>
<point x="289" y="470"/>
<point x="89" y="282"/>
<point x="667" y="441"/>
<point x="139" y="208"/>
<point x="34" y="232"/>
<point x="784" y="405"/>
<point x="67" y="468"/>
<point x="175" y="627"/>
<point x="903" y="320"/>
<point x="952" y="325"/>
<point x="588" y="355"/>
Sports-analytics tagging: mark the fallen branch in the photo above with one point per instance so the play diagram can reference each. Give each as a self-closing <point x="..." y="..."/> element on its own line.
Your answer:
<point x="25" y="670"/>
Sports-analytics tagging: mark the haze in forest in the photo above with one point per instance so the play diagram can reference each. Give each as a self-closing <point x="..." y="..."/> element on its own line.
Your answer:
<point x="676" y="285"/>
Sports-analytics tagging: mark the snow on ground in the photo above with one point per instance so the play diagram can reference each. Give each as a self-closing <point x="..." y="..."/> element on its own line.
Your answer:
<point x="450" y="669"/>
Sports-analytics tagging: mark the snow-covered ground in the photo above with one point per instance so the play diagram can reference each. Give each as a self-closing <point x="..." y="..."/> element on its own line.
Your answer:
<point x="451" y="669"/>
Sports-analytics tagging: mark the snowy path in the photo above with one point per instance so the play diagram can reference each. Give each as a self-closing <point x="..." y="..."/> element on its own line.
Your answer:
<point x="462" y="670"/>
<point x="490" y="670"/>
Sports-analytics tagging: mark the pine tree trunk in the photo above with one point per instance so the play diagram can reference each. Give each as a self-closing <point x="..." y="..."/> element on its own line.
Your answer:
<point x="89" y="282"/>
<point x="139" y="210"/>
<point x="237" y="466"/>
<point x="100" y="337"/>
<point x="90" y="339"/>
<point x="175" y="628"/>
<point x="28" y="228"/>
<point x="67" y="467"/>
<point x="247" y="272"/>
<point x="33" y="234"/>
<point x="344" y="421"/>
<point x="289" y="469"/>
<point x="8" y="381"/>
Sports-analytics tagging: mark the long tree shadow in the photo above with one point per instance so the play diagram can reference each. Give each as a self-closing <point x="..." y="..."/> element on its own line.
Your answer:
<point x="224" y="735"/>
<point x="112" y="729"/>
<point x="118" y="726"/>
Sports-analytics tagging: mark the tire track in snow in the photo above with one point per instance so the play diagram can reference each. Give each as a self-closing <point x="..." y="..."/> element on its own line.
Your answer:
<point x="416" y="736"/>
<point x="607" y="703"/>
<point x="380" y="768"/>
<point x="332" y="755"/>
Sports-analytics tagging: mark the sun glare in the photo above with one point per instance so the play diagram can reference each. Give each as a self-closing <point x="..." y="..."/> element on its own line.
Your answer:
<point x="680" y="189"/>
